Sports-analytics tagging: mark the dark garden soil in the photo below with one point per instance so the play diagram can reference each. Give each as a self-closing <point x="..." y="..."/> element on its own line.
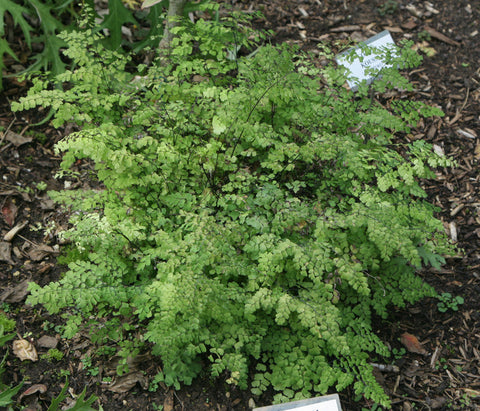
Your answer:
<point x="445" y="376"/>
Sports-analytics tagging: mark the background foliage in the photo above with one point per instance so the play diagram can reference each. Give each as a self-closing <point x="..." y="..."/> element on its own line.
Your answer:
<point x="250" y="211"/>
<point x="126" y="25"/>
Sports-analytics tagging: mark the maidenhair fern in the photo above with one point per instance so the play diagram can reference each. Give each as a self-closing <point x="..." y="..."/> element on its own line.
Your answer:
<point x="250" y="209"/>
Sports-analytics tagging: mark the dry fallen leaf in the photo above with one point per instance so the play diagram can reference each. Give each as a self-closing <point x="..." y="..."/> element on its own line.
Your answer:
<point x="41" y="388"/>
<point x="15" y="294"/>
<point x="16" y="139"/>
<point x="25" y="350"/>
<point x="168" y="402"/>
<point x="412" y="344"/>
<point x="409" y="25"/>
<point x="9" y="211"/>
<point x="47" y="341"/>
<point x="6" y="252"/>
<point x="40" y="251"/>
<point x="127" y="382"/>
<point x="438" y="402"/>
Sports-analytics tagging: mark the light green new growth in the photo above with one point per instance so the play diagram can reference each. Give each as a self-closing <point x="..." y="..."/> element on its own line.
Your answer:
<point x="250" y="208"/>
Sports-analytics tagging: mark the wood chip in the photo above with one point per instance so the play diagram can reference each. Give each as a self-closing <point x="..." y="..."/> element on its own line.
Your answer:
<point x="13" y="232"/>
<point x="345" y="28"/>
<point x="458" y="115"/>
<point x="465" y="133"/>
<point x="439" y="36"/>
<point x="477" y="151"/>
<point x="453" y="231"/>
<point x="456" y="210"/>
<point x="413" y="10"/>
<point x="393" y="29"/>
<point x="303" y="11"/>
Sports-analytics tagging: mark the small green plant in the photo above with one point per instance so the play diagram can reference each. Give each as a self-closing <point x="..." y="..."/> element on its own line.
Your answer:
<point x="63" y="373"/>
<point x="442" y="363"/>
<point x="58" y="328"/>
<point x="398" y="353"/>
<point x="251" y="208"/>
<point x="41" y="185"/>
<point x="52" y="354"/>
<point x="6" y="392"/>
<point x="6" y="323"/>
<point x="466" y="400"/>
<point x="388" y="7"/>
<point x="70" y="254"/>
<point x="38" y="136"/>
<point x="5" y="307"/>
<point x="106" y="350"/>
<point x="424" y="36"/>
<point x="81" y="404"/>
<point x="447" y="301"/>
<point x="4" y="338"/>
<point x="88" y="365"/>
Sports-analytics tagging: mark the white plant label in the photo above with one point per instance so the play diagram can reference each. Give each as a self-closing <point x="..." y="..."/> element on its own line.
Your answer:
<point x="325" y="403"/>
<point x="358" y="66"/>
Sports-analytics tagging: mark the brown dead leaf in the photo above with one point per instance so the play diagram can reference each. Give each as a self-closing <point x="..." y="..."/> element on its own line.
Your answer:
<point x="40" y="251"/>
<point x="46" y="341"/>
<point x="45" y="268"/>
<point x="46" y="203"/>
<point x="17" y="139"/>
<point x="15" y="294"/>
<point x="438" y="402"/>
<point x="25" y="350"/>
<point x="9" y="211"/>
<point x="41" y="388"/>
<point x="6" y="252"/>
<point x="412" y="344"/>
<point x="409" y="25"/>
<point x="127" y="382"/>
<point x="168" y="402"/>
